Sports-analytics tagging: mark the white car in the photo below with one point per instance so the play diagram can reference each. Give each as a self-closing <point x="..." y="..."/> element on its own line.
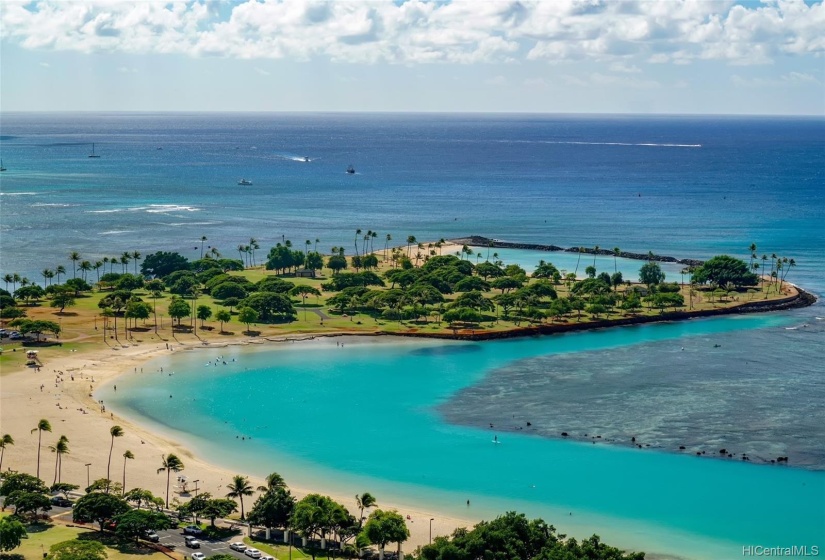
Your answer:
<point x="198" y="556"/>
<point x="267" y="558"/>
<point x="253" y="552"/>
<point x="239" y="546"/>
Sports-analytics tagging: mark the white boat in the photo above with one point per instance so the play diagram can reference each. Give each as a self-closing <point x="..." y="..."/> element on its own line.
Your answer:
<point x="93" y="154"/>
<point x="244" y="182"/>
<point x="306" y="159"/>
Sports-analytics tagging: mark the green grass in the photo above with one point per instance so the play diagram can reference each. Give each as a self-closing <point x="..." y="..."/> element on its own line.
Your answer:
<point x="281" y="552"/>
<point x="43" y="535"/>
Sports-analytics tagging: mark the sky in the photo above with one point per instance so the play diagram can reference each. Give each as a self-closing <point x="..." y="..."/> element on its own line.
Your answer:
<point x="537" y="56"/>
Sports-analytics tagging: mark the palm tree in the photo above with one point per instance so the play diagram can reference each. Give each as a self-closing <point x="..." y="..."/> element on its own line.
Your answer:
<point x="357" y="233"/>
<point x="112" y="262"/>
<point x="307" y="243"/>
<point x="136" y="257"/>
<point x="215" y="253"/>
<point x="317" y="241"/>
<point x="4" y="441"/>
<point x="372" y="241"/>
<point x="45" y="274"/>
<point x="238" y="488"/>
<point x="97" y="266"/>
<point x="273" y="482"/>
<point x="595" y="252"/>
<point x="203" y="238"/>
<point x="364" y="501"/>
<point x="58" y="271"/>
<point x="387" y="245"/>
<point x="240" y="251"/>
<point x="410" y="240"/>
<point x="15" y="278"/>
<point x="581" y="250"/>
<point x="764" y="262"/>
<point x="124" y="260"/>
<point x="74" y="256"/>
<point x="85" y="267"/>
<point x="171" y="464"/>
<point x="8" y="279"/>
<point x="753" y="254"/>
<point x="253" y="244"/>
<point x="114" y="431"/>
<point x="616" y="252"/>
<point x="126" y="455"/>
<point x="42" y="426"/>
<point x="60" y="448"/>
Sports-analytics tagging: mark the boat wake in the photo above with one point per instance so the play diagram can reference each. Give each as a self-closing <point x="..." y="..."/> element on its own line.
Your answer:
<point x="151" y="209"/>
<point x="647" y="144"/>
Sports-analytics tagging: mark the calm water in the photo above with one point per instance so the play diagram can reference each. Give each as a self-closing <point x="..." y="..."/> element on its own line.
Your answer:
<point x="687" y="187"/>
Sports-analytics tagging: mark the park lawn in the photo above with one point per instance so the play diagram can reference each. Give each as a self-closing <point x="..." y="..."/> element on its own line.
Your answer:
<point x="43" y="535"/>
<point x="281" y="552"/>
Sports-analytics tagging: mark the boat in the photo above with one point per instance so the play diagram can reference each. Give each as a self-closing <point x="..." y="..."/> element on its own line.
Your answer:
<point x="93" y="154"/>
<point x="1" y="166"/>
<point x="351" y="169"/>
<point x="306" y="159"/>
<point x="244" y="182"/>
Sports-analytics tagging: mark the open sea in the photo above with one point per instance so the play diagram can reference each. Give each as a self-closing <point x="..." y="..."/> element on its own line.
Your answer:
<point x="418" y="414"/>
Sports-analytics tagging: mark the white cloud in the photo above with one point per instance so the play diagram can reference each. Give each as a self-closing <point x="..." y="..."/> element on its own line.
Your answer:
<point x="45" y="65"/>
<point x="419" y="31"/>
<point x="127" y="70"/>
<point x="496" y="81"/>
<point x="261" y="71"/>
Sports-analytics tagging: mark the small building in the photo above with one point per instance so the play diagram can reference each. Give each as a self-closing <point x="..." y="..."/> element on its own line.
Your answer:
<point x="305" y="273"/>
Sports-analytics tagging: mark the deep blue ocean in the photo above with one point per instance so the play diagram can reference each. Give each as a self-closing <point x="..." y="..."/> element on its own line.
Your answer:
<point x="680" y="186"/>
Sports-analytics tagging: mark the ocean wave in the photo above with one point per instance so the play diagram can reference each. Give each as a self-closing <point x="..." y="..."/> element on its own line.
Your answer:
<point x="650" y="144"/>
<point x="116" y="231"/>
<point x="151" y="209"/>
<point x="19" y="194"/>
<point x="180" y="224"/>
<point x="55" y="204"/>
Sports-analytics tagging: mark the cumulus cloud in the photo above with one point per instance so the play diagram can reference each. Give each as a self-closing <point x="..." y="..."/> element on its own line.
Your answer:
<point x="419" y="31"/>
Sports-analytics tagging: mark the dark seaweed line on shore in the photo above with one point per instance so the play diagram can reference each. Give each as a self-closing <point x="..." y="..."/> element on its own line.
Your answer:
<point x="480" y="241"/>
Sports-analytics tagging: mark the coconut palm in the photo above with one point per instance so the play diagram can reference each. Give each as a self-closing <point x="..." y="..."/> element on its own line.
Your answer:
<point x="357" y="233"/>
<point x="114" y="431"/>
<point x="8" y="279"/>
<point x="387" y="245"/>
<point x="317" y="241"/>
<point x="125" y="259"/>
<point x="45" y="274"/>
<point x="373" y="236"/>
<point x="97" y="266"/>
<point x="171" y="463"/>
<point x="203" y="239"/>
<point x="273" y="482"/>
<point x="364" y="501"/>
<point x="74" y="256"/>
<point x="215" y="253"/>
<point x="60" y="448"/>
<point x="595" y="252"/>
<point x="253" y="244"/>
<point x="136" y="257"/>
<point x="42" y="426"/>
<point x="238" y="488"/>
<point x="616" y="252"/>
<point x="126" y="455"/>
<point x="410" y="240"/>
<point x="85" y="267"/>
<point x="4" y="441"/>
<point x="581" y="250"/>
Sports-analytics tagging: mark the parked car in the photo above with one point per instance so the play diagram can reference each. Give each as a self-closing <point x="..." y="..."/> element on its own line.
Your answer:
<point x="267" y="558"/>
<point x="239" y="546"/>
<point x="16" y="336"/>
<point x="60" y="501"/>
<point x="198" y="556"/>
<point x="151" y="536"/>
<point x="192" y="530"/>
<point x="253" y="553"/>
<point x="192" y="542"/>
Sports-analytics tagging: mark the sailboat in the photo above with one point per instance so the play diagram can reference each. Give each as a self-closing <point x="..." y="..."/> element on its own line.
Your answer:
<point x="351" y="169"/>
<point x="93" y="154"/>
<point x="1" y="166"/>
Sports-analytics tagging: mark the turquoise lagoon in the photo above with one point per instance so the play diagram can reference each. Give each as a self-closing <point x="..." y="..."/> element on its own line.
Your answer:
<point x="362" y="416"/>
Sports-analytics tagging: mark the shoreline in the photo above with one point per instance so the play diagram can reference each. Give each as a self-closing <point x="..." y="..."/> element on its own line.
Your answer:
<point x="481" y="241"/>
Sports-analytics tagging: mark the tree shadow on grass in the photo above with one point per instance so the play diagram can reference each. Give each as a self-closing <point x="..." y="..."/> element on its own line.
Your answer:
<point x="124" y="546"/>
<point x="7" y="556"/>
<point x="226" y="333"/>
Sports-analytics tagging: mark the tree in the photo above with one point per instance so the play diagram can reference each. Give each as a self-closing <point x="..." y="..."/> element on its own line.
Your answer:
<point x="28" y="503"/>
<point x="77" y="550"/>
<point x="139" y="496"/>
<point x="5" y="441"/>
<point x="59" y="449"/>
<point x="238" y="488"/>
<point x="223" y="316"/>
<point x="247" y="315"/>
<point x="214" y="508"/>
<point x="336" y="263"/>
<point x="651" y="274"/>
<point x="723" y="269"/>
<point x="62" y="298"/>
<point x="204" y="313"/>
<point x="29" y="293"/>
<point x="42" y="426"/>
<point x="11" y="533"/>
<point x="384" y="527"/>
<point x="318" y="515"/>
<point x="272" y="509"/>
<point x="170" y="463"/>
<point x="105" y="486"/>
<point x="178" y="309"/>
<point x="162" y="264"/>
<point x="63" y="488"/>
<point x="228" y="290"/>
<point x="134" y="523"/>
<point x="97" y="507"/>
<point x="273" y="482"/>
<point x="74" y="256"/>
<point x="269" y="304"/>
<point x="364" y="501"/>
<point x="506" y="283"/>
<point x="14" y="482"/>
<point x="114" y="431"/>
